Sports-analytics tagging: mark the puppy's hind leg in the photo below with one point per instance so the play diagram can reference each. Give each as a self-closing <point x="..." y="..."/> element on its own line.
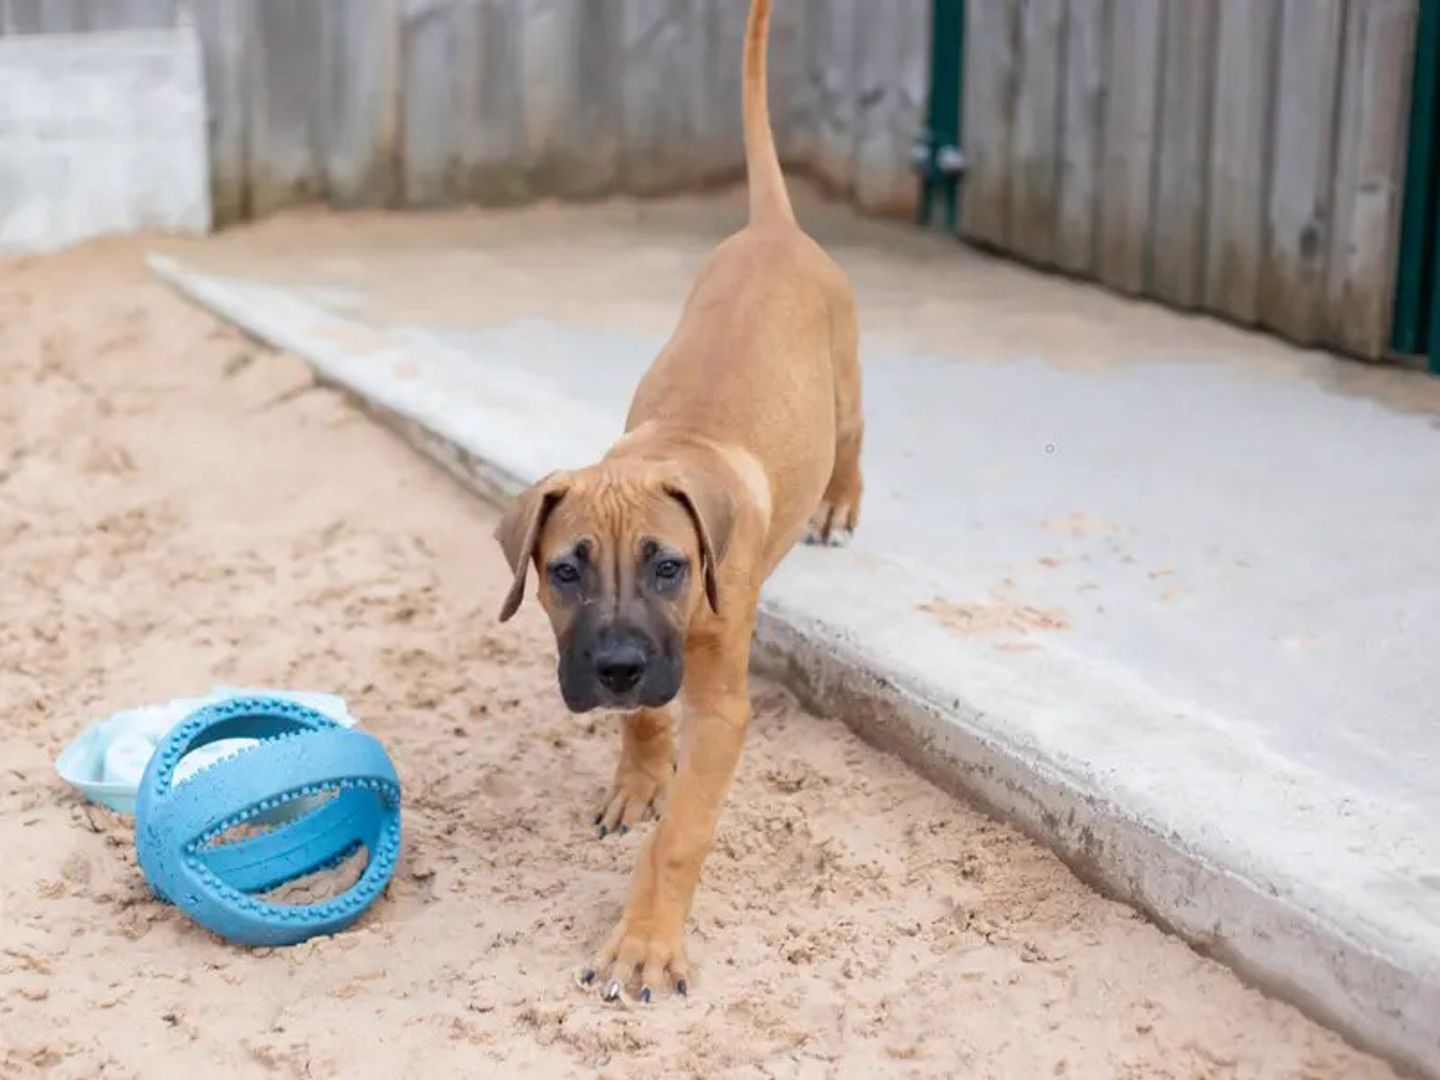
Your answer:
<point x="838" y="514"/>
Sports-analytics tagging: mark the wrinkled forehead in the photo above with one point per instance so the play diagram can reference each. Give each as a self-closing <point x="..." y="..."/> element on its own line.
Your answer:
<point x="617" y="518"/>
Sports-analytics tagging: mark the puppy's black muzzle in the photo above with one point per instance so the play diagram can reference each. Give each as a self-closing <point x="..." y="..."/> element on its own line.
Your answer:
<point x="617" y="667"/>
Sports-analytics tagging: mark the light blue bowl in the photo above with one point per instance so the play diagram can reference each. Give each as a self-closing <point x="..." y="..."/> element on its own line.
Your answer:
<point x="106" y="761"/>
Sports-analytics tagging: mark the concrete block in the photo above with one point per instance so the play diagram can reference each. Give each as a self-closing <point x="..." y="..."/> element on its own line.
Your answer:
<point x="101" y="133"/>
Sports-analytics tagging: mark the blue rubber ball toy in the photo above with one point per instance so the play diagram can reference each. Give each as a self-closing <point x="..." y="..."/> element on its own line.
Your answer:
<point x="333" y="789"/>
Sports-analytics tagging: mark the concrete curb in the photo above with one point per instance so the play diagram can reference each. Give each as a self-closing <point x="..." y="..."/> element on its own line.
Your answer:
<point x="1339" y="966"/>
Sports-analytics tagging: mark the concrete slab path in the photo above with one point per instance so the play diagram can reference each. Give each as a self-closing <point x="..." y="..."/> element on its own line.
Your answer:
<point x="1172" y="606"/>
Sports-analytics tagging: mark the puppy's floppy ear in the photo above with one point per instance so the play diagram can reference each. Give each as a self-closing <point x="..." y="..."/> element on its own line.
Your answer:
<point x="519" y="532"/>
<point x="712" y="510"/>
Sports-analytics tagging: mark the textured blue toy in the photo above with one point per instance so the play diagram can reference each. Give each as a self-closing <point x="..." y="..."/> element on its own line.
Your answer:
<point x="301" y="757"/>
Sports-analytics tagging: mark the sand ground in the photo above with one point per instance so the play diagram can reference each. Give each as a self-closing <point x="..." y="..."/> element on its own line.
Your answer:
<point x="179" y="506"/>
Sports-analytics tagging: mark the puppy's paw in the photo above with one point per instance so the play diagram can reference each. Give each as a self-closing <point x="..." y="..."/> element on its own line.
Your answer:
<point x="832" y="524"/>
<point x="638" y="963"/>
<point x="638" y="794"/>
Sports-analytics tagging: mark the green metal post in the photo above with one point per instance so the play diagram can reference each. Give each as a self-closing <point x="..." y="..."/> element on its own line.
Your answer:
<point x="1431" y="330"/>
<point x="937" y="150"/>
<point x="1417" y="284"/>
<point x="955" y="93"/>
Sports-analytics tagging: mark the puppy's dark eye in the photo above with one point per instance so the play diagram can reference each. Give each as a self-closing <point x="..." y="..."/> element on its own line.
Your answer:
<point x="669" y="569"/>
<point x="564" y="573"/>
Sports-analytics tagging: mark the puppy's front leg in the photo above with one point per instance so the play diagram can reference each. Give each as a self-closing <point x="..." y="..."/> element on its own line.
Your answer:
<point x="648" y="939"/>
<point x="642" y="776"/>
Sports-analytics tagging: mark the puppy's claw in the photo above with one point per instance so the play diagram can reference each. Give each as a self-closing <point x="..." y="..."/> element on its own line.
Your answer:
<point x="601" y="833"/>
<point x="613" y="991"/>
<point x="646" y="994"/>
<point x="833" y="538"/>
<point x="682" y="988"/>
<point x="623" y="830"/>
<point x="587" y="976"/>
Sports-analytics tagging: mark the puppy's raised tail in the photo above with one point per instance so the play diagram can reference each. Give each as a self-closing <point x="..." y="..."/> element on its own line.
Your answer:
<point x="769" y="201"/>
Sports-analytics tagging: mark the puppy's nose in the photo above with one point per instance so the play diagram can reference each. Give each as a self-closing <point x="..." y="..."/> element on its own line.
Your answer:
<point x="620" y="666"/>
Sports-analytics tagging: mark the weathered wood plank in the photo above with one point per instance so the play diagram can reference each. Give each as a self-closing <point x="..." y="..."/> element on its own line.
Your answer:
<point x="718" y="147"/>
<point x="693" y="153"/>
<point x="488" y="114"/>
<point x="991" y="56"/>
<point x="839" y="57"/>
<point x="1177" y="256"/>
<point x="1035" y="161"/>
<point x="1360" y="286"/>
<point x="371" y="102"/>
<point x="893" y="79"/>
<point x="1087" y="46"/>
<point x="46" y="16"/>
<point x="550" y="91"/>
<point x="1131" y="142"/>
<point x="493" y="107"/>
<point x="226" y="32"/>
<point x="595" y="141"/>
<point x="792" y="98"/>
<point x="1241" y="143"/>
<point x="1292" y="274"/>
<point x="360" y="100"/>
<point x="657" y="85"/>
<point x="801" y="103"/>
<point x="430" y="161"/>
<point x="130" y="14"/>
<point x="285" y="163"/>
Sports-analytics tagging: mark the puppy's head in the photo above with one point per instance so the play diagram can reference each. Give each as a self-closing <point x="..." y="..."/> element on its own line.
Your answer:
<point x="625" y="554"/>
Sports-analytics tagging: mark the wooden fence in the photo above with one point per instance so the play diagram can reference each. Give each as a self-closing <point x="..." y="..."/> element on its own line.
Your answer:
<point x="1243" y="157"/>
<point x="420" y="102"/>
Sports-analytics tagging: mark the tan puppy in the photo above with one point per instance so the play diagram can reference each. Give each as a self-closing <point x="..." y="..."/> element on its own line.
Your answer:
<point x="746" y="429"/>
